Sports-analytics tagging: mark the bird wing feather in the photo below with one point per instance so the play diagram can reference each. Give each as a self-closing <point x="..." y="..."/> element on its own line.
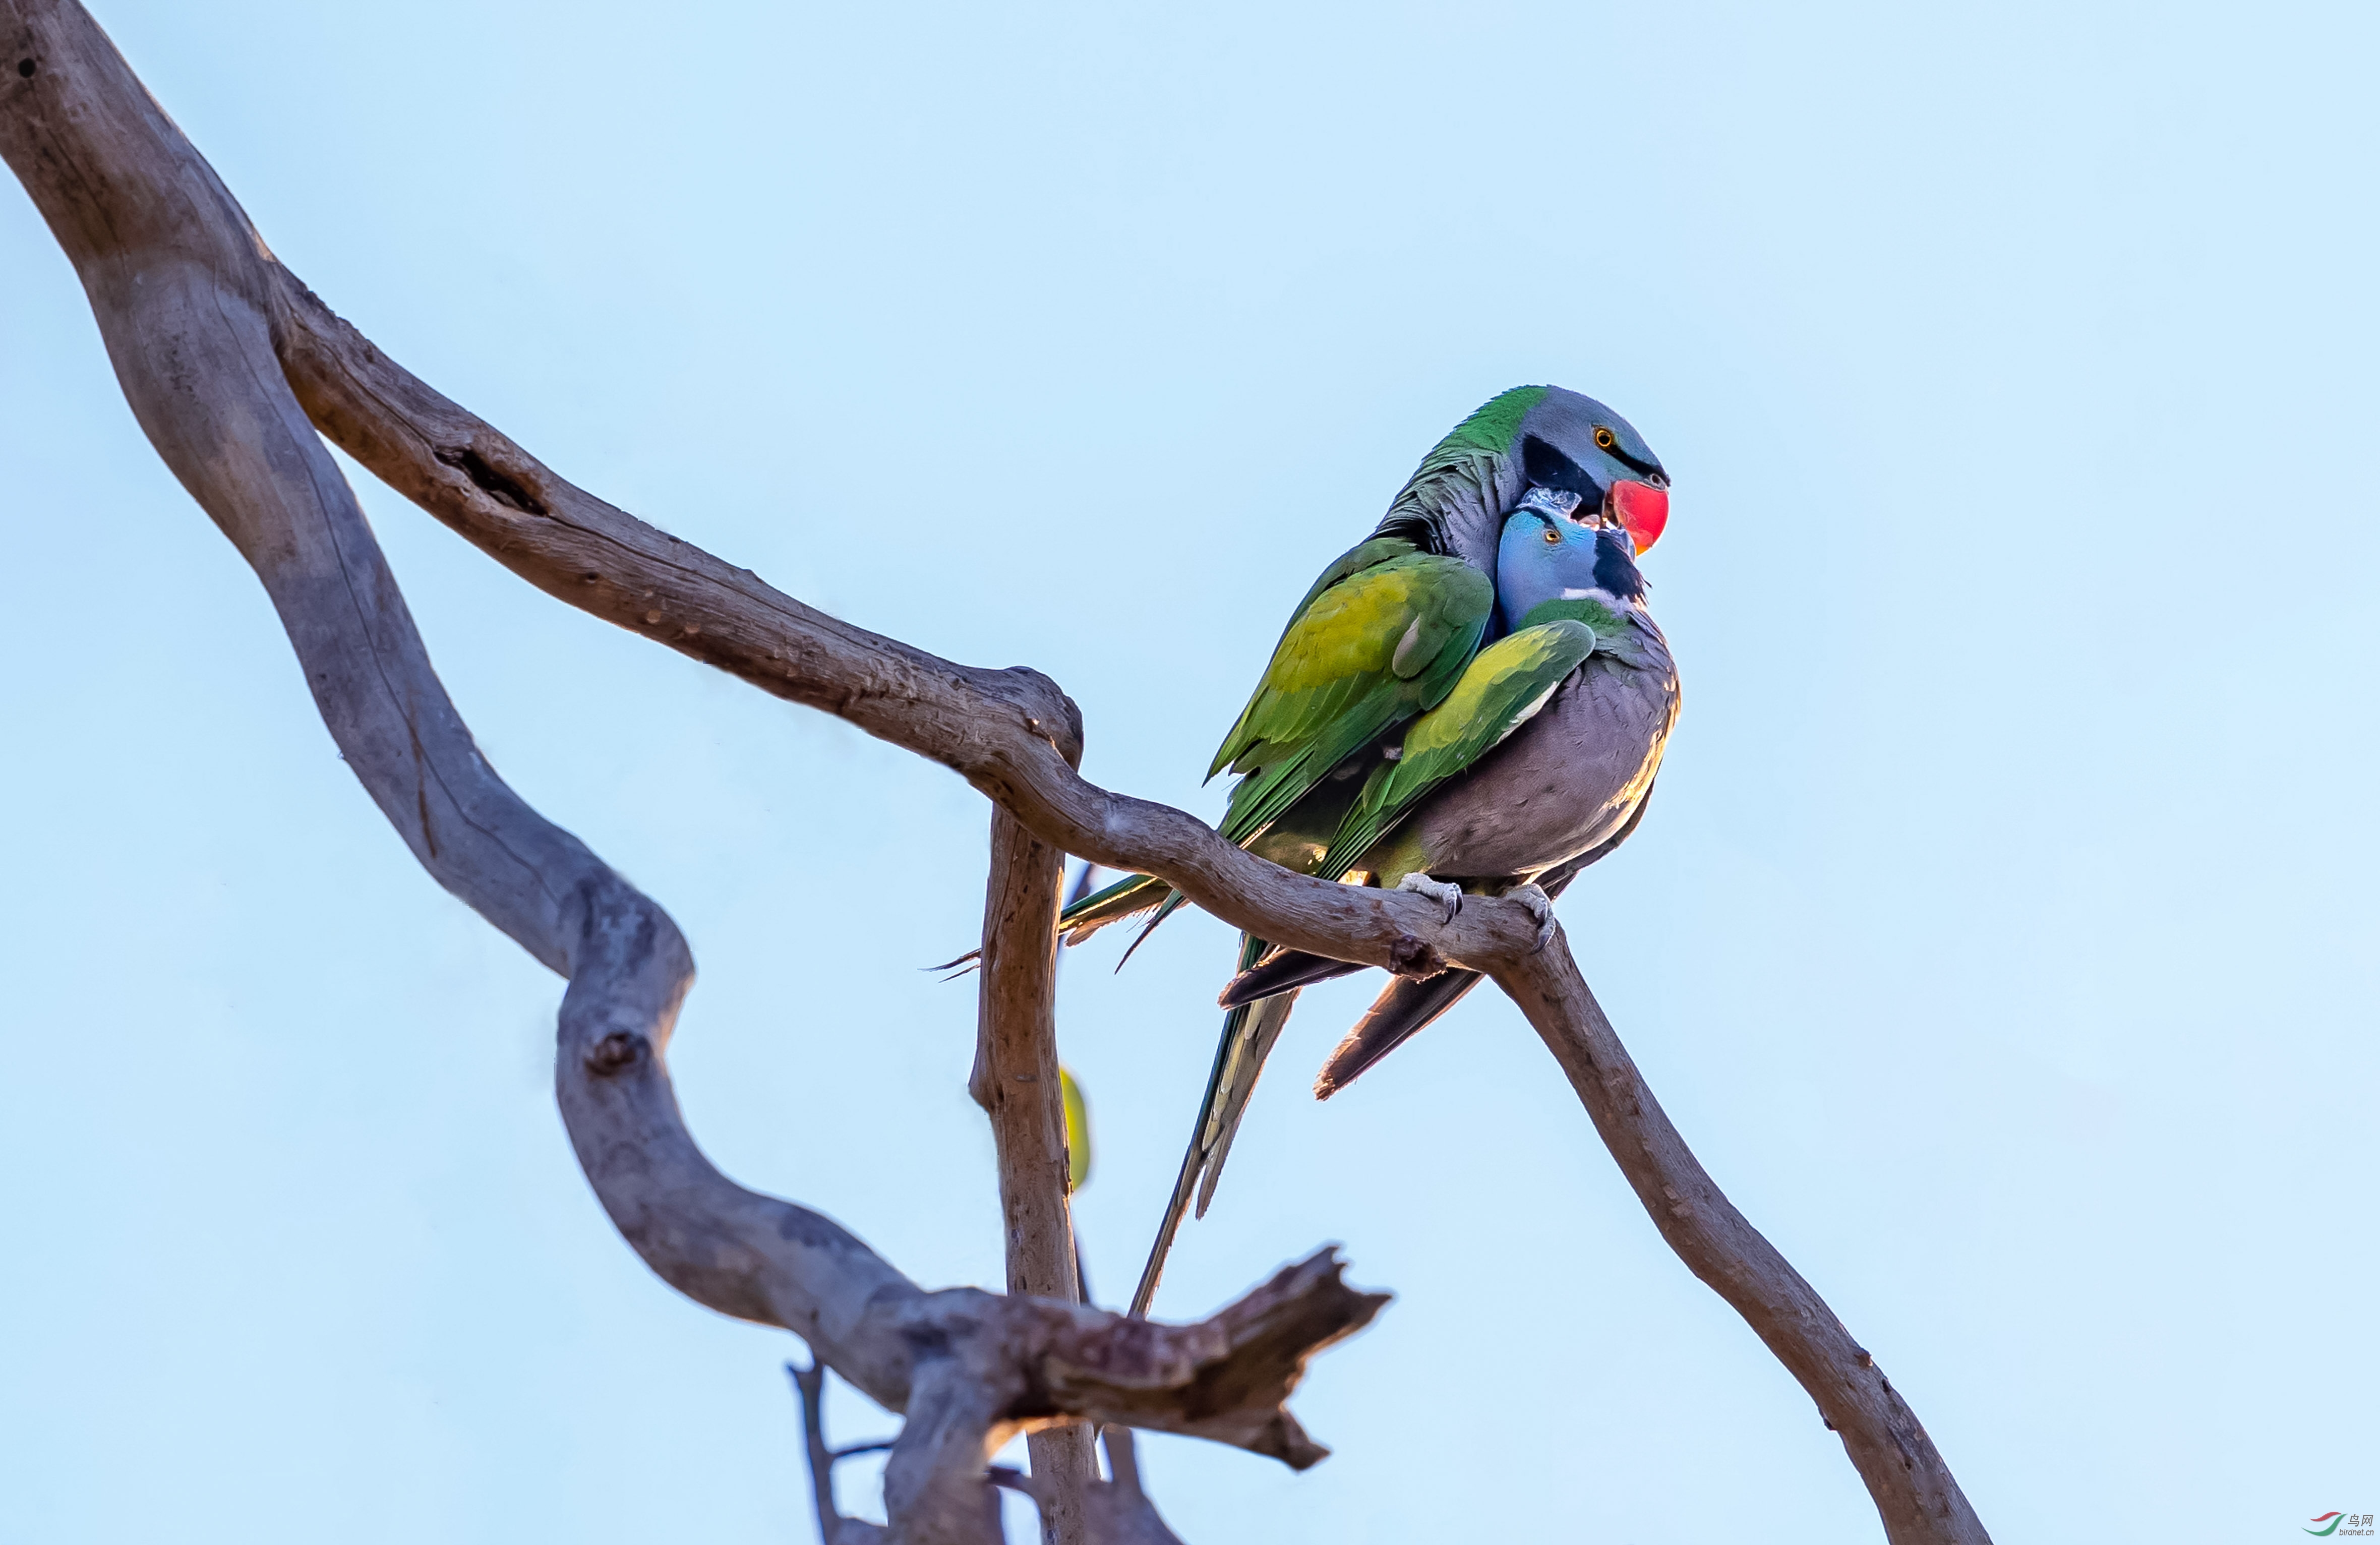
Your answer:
<point x="1377" y="627"/>
<point x="1501" y="691"/>
<point x="1383" y="635"/>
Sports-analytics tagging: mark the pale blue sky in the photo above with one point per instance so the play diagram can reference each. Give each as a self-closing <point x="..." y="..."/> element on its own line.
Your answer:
<point x="2003" y="937"/>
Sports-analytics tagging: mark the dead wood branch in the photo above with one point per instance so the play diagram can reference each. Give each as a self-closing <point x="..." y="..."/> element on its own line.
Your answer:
<point x="1113" y="1512"/>
<point x="181" y="285"/>
<point x="1016" y="1080"/>
<point x="1116" y="1511"/>
<point x="211" y="336"/>
<point x="1882" y="1435"/>
<point x="809" y="1385"/>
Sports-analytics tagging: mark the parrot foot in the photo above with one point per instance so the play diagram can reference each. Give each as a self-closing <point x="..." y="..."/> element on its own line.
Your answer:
<point x="1444" y="892"/>
<point x="1541" y="907"/>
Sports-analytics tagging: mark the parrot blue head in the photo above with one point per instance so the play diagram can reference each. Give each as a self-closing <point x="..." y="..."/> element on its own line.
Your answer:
<point x="1556" y="546"/>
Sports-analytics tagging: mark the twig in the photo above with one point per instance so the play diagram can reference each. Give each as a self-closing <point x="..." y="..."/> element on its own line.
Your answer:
<point x="809" y="1384"/>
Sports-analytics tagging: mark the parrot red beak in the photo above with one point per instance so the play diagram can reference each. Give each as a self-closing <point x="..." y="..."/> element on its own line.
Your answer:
<point x="1642" y="511"/>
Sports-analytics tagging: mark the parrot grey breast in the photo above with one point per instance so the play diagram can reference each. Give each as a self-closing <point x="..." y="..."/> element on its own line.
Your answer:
<point x="1565" y="780"/>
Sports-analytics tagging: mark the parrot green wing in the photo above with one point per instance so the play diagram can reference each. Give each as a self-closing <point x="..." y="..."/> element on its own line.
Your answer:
<point x="1383" y="635"/>
<point x="1385" y="642"/>
<point x="1502" y="690"/>
<point x="1363" y="555"/>
<point x="1619" y="636"/>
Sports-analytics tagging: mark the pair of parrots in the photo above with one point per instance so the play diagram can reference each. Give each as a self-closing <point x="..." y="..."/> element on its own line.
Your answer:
<point x="1474" y="700"/>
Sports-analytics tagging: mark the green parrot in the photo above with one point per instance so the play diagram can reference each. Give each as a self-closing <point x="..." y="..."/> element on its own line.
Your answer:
<point x="1381" y="742"/>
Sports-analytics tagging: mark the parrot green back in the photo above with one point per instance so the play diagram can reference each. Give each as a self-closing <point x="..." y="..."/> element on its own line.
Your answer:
<point x="1468" y="454"/>
<point x="1494" y="422"/>
<point x="1383" y="635"/>
<point x="1383" y="643"/>
<point x="1503" y="688"/>
<point x="1357" y="559"/>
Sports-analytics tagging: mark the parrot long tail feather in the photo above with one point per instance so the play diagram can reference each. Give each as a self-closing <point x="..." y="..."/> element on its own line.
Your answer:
<point x="1085" y="915"/>
<point x="1175" y="1212"/>
<point x="1255" y="1043"/>
<point x="1283" y="972"/>
<point x="1248" y="1035"/>
<point x="1132" y="895"/>
<point x="1173" y="900"/>
<point x="1406" y="1007"/>
<point x="1400" y="1011"/>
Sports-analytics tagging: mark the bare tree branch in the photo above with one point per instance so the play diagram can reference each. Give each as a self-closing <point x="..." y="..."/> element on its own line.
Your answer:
<point x="1016" y="1080"/>
<point x="1881" y="1434"/>
<point x="1116" y="1511"/>
<point x="1123" y="1511"/>
<point x="179" y="284"/>
<point x="809" y="1384"/>
<point x="210" y="335"/>
<point x="751" y="631"/>
<point x="1012" y="734"/>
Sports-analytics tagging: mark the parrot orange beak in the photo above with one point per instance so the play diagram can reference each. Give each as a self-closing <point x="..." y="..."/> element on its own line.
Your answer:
<point x="1642" y="511"/>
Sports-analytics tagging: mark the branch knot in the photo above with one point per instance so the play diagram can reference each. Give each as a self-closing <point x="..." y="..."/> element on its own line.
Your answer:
<point x="1409" y="956"/>
<point x="616" y="1053"/>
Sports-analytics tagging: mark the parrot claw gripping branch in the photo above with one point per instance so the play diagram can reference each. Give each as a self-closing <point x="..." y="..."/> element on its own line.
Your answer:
<point x="236" y="373"/>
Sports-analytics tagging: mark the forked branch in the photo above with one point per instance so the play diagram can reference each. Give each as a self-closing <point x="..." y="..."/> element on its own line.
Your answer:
<point x="231" y="365"/>
<point x="181" y="289"/>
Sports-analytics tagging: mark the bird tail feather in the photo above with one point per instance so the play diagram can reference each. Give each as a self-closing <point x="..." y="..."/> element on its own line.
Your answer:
<point x="1248" y="1036"/>
<point x="1282" y="973"/>
<point x="1403" y="1009"/>
<point x="1085" y="915"/>
<point x="1133" y="893"/>
<point x="1250" y="1049"/>
<point x="1173" y="903"/>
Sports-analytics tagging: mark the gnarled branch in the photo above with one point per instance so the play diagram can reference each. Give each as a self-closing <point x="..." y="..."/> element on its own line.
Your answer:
<point x="181" y="289"/>
<point x="211" y="337"/>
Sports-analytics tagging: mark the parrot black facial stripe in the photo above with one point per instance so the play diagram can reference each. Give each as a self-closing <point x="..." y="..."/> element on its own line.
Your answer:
<point x="1615" y="571"/>
<point x="1547" y="468"/>
<point x="1550" y="468"/>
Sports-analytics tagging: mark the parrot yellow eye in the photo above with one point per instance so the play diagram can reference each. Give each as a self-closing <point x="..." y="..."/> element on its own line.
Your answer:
<point x="1603" y="439"/>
